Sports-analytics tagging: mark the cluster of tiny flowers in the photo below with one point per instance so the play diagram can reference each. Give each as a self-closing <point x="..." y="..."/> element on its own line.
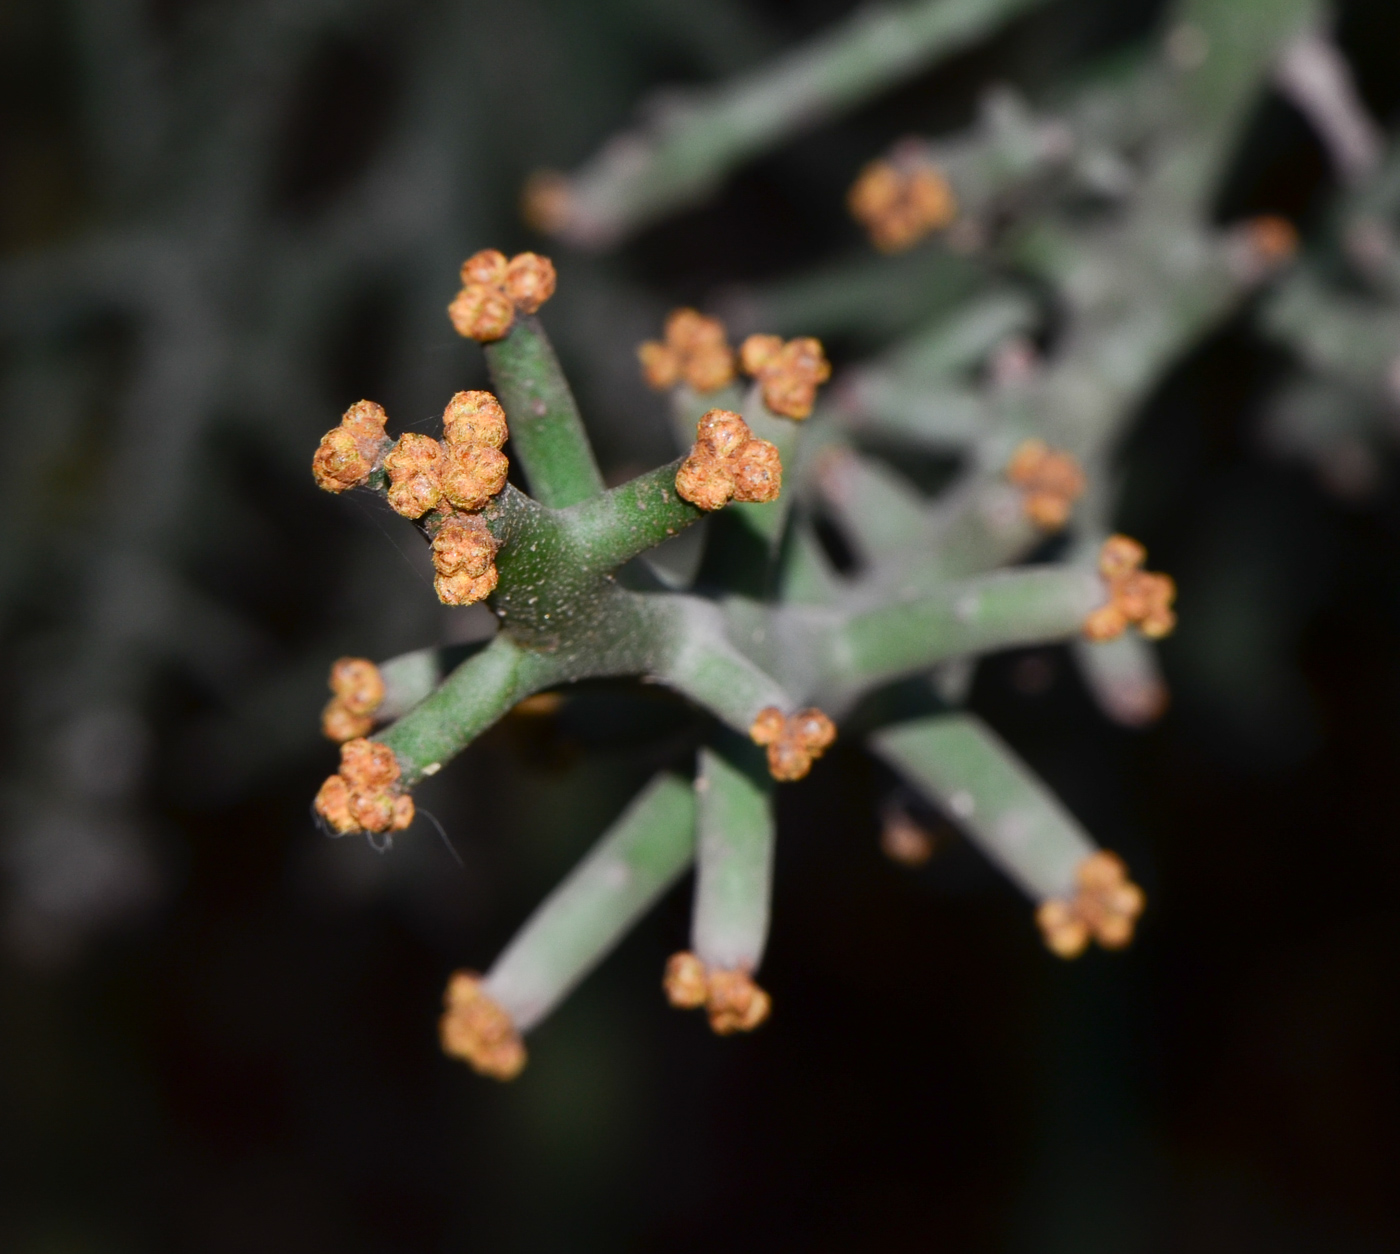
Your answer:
<point x="364" y="795"/>
<point x="695" y="350"/>
<point x="732" y="1000"/>
<point x="478" y="1031"/>
<point x="349" y="454"/>
<point x="359" y="691"/>
<point x="1105" y="908"/>
<point x="793" y="742"/>
<point x="1051" y="481"/>
<point x="495" y="289"/>
<point x="788" y="373"/>
<point x="898" y="204"/>
<point x="1135" y="595"/>
<point x="728" y="463"/>
<point x="457" y="477"/>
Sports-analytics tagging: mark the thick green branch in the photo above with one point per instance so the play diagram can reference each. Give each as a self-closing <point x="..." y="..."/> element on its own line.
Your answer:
<point x="1017" y="822"/>
<point x="641" y="176"/>
<point x="546" y="432"/>
<point x="580" y="922"/>
<point x="733" y="858"/>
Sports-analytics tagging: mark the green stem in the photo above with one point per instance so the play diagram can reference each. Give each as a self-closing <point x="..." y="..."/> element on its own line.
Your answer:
<point x="733" y="858"/>
<point x="647" y="849"/>
<point x="1018" y="823"/>
<point x="997" y="611"/>
<point x="609" y="529"/>
<point x="642" y="176"/>
<point x="473" y="697"/>
<point x="546" y="432"/>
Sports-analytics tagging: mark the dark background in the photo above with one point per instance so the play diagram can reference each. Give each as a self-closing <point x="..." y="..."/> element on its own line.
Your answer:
<point x="222" y="1036"/>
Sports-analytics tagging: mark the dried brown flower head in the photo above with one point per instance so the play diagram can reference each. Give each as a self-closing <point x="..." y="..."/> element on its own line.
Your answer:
<point x="1105" y="908"/>
<point x="477" y="1030"/>
<point x="695" y="349"/>
<point x="1050" y="480"/>
<point x="794" y="742"/>
<point x="364" y="795"/>
<point x="347" y="453"/>
<point x="900" y="204"/>
<point x="727" y="462"/>
<point x="464" y="554"/>
<point x="1135" y="595"/>
<point x="494" y="290"/>
<point x="787" y="373"/>
<point x="414" y="466"/>
<point x="731" y="998"/>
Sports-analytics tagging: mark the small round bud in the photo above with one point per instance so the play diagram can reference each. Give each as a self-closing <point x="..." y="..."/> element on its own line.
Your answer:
<point x="413" y="465"/>
<point x="735" y="1003"/>
<point x="1107" y="622"/>
<point x="464" y="589"/>
<point x="721" y="433"/>
<point x="1135" y="595"/>
<point x="474" y="418"/>
<point x="463" y="546"/>
<point x="477" y="1030"/>
<point x="812" y="730"/>
<point x="1273" y="238"/>
<point x="788" y="761"/>
<point x="529" y="281"/>
<point x="661" y="365"/>
<point x="757" y="351"/>
<point x="338" y="463"/>
<point x="473" y="475"/>
<point x="1066" y="935"/>
<point x="481" y="312"/>
<point x="903" y="840"/>
<point x="488" y="266"/>
<point x="357" y="684"/>
<point x="340" y="724"/>
<point x="368" y="764"/>
<point x="768" y="726"/>
<point x="333" y="804"/>
<point x="704" y="481"/>
<point x="757" y="468"/>
<point x="1119" y="557"/>
<point x="402" y="817"/>
<point x="684" y="981"/>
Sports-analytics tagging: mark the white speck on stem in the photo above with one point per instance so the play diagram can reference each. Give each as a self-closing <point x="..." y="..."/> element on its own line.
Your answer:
<point x="432" y="768"/>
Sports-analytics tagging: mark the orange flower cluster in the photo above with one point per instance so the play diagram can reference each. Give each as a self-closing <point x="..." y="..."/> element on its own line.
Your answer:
<point x="899" y="205"/>
<point x="364" y="796"/>
<point x="494" y="290"/>
<point x="458" y="476"/>
<point x="348" y="453"/>
<point x="1050" y="480"/>
<point x="1272" y="238"/>
<point x="478" y="1031"/>
<point x="359" y="689"/>
<point x="793" y="743"/>
<point x="727" y="462"/>
<point x="789" y="373"/>
<point x="1135" y="595"/>
<point x="1105" y="908"/>
<point x="734" y="1002"/>
<point x="695" y="349"/>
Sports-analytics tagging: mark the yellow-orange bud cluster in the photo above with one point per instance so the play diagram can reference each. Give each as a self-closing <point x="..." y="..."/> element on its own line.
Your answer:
<point x="348" y="453"/>
<point x="695" y="350"/>
<point x="1105" y="908"/>
<point x="365" y="795"/>
<point x="477" y="1030"/>
<point x="899" y="205"/>
<point x="1050" y="481"/>
<point x="359" y="690"/>
<point x="464" y="557"/>
<point x="1135" y="595"/>
<point x="788" y="373"/>
<point x="728" y="462"/>
<point x="494" y="290"/>
<point x="794" y="742"/>
<point x="731" y="998"/>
